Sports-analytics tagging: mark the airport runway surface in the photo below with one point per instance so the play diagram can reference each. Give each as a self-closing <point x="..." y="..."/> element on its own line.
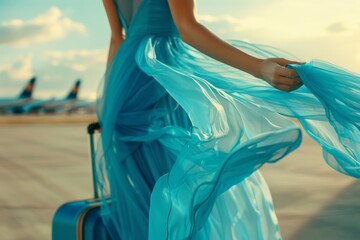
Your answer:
<point x="43" y="166"/>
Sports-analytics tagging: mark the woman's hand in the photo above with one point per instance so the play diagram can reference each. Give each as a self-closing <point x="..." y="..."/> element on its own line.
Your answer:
<point x="274" y="72"/>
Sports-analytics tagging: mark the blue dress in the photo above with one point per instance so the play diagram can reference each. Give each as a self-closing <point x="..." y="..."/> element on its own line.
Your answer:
<point x="183" y="135"/>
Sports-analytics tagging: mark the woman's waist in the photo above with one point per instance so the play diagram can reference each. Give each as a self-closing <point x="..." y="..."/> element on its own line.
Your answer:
<point x="158" y="30"/>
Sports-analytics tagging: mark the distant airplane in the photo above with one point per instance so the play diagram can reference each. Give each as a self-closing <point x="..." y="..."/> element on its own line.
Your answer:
<point x="57" y="105"/>
<point x="24" y="97"/>
<point x="84" y="106"/>
<point x="49" y="105"/>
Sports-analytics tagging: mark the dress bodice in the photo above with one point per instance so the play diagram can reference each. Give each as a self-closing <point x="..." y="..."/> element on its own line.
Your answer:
<point x="146" y="17"/>
<point x="128" y="9"/>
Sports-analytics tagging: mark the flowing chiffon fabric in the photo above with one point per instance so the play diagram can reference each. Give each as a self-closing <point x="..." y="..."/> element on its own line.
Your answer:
<point x="183" y="135"/>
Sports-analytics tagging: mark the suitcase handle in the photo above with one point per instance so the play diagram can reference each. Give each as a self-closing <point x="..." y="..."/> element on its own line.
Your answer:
<point x="92" y="127"/>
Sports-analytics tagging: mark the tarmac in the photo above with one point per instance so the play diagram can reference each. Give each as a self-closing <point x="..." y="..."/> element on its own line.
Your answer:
<point x="45" y="165"/>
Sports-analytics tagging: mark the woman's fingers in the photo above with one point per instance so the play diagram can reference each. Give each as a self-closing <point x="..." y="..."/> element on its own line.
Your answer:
<point x="286" y="72"/>
<point x="294" y="62"/>
<point x="287" y="88"/>
<point x="283" y="87"/>
<point x="274" y="72"/>
<point x="286" y="80"/>
<point x="284" y="62"/>
<point x="287" y="84"/>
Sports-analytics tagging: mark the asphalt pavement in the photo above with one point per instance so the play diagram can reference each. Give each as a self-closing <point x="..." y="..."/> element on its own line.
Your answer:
<point x="43" y="166"/>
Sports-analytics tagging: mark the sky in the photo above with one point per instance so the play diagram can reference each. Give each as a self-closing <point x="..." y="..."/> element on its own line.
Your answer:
<point x="61" y="41"/>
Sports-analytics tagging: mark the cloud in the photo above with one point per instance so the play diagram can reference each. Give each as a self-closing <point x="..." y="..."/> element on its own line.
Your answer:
<point x="337" y="27"/>
<point x="19" y="70"/>
<point x="222" y="24"/>
<point x="78" y="60"/>
<point x="51" y="25"/>
<point x="213" y="19"/>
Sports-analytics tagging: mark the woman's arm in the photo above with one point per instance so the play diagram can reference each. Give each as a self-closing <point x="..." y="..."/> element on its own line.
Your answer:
<point x="117" y="36"/>
<point x="271" y="70"/>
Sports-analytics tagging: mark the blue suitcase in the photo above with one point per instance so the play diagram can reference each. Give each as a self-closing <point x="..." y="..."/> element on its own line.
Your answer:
<point x="81" y="220"/>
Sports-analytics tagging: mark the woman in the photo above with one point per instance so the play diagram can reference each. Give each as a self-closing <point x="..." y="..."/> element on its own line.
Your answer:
<point x="183" y="134"/>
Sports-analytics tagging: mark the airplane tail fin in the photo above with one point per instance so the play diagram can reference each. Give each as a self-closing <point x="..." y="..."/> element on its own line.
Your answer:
<point x="74" y="91"/>
<point x="27" y="92"/>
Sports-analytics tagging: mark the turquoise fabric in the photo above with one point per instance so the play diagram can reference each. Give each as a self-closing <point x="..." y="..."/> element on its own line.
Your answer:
<point x="183" y="135"/>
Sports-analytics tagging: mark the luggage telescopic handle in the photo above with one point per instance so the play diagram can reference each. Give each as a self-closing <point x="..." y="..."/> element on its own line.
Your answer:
<point x="92" y="127"/>
<point x="91" y="130"/>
